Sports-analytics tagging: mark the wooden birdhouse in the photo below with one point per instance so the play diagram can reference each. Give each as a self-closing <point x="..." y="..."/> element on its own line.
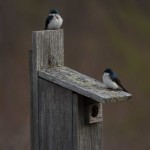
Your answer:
<point x="66" y="106"/>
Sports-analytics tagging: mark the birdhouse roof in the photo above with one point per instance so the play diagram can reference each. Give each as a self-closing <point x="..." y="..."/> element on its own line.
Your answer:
<point x="83" y="84"/>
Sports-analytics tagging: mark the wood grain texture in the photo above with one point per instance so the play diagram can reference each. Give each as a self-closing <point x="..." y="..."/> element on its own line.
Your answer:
<point x="83" y="85"/>
<point x="75" y="121"/>
<point x="62" y="120"/>
<point x="55" y="117"/>
<point x="34" y="101"/>
<point x="47" y="51"/>
<point x="94" y="113"/>
<point x="49" y="45"/>
<point x="89" y="136"/>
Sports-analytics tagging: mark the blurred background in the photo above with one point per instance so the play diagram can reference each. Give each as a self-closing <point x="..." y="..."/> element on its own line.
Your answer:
<point x="98" y="34"/>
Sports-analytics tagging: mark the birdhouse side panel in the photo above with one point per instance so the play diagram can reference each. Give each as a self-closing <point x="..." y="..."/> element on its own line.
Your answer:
<point x="55" y="116"/>
<point x="89" y="136"/>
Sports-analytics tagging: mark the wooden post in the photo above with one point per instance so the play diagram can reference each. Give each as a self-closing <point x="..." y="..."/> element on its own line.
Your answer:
<point x="47" y="51"/>
<point x="48" y="48"/>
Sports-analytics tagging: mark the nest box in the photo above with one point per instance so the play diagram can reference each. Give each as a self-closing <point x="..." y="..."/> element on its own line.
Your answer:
<point x="66" y="106"/>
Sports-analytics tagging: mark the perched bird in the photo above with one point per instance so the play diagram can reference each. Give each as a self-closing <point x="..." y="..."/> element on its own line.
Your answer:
<point x="53" y="21"/>
<point x="110" y="79"/>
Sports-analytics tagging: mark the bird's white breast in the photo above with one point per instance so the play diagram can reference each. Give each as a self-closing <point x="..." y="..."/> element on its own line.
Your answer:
<point x="108" y="82"/>
<point x="56" y="22"/>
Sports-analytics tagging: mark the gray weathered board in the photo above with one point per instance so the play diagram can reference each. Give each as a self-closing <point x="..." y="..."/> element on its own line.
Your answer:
<point x="83" y="84"/>
<point x="62" y="120"/>
<point x="55" y="117"/>
<point x="47" y="51"/>
<point x="34" y="117"/>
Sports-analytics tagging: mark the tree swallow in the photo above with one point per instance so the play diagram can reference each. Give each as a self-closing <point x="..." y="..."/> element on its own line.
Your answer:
<point x="53" y="21"/>
<point x="110" y="79"/>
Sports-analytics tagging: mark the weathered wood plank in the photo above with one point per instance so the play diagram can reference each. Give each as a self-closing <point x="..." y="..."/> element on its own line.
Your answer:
<point x="34" y="102"/>
<point x="83" y="85"/>
<point x="47" y="51"/>
<point x="75" y="121"/>
<point x="49" y="45"/>
<point x="55" y="117"/>
<point x="89" y="136"/>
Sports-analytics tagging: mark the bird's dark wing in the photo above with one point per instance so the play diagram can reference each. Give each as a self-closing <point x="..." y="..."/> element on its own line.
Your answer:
<point x="48" y="19"/>
<point x="114" y="78"/>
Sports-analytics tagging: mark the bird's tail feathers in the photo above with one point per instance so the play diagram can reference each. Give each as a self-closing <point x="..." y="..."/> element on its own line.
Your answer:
<point x="123" y="88"/>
